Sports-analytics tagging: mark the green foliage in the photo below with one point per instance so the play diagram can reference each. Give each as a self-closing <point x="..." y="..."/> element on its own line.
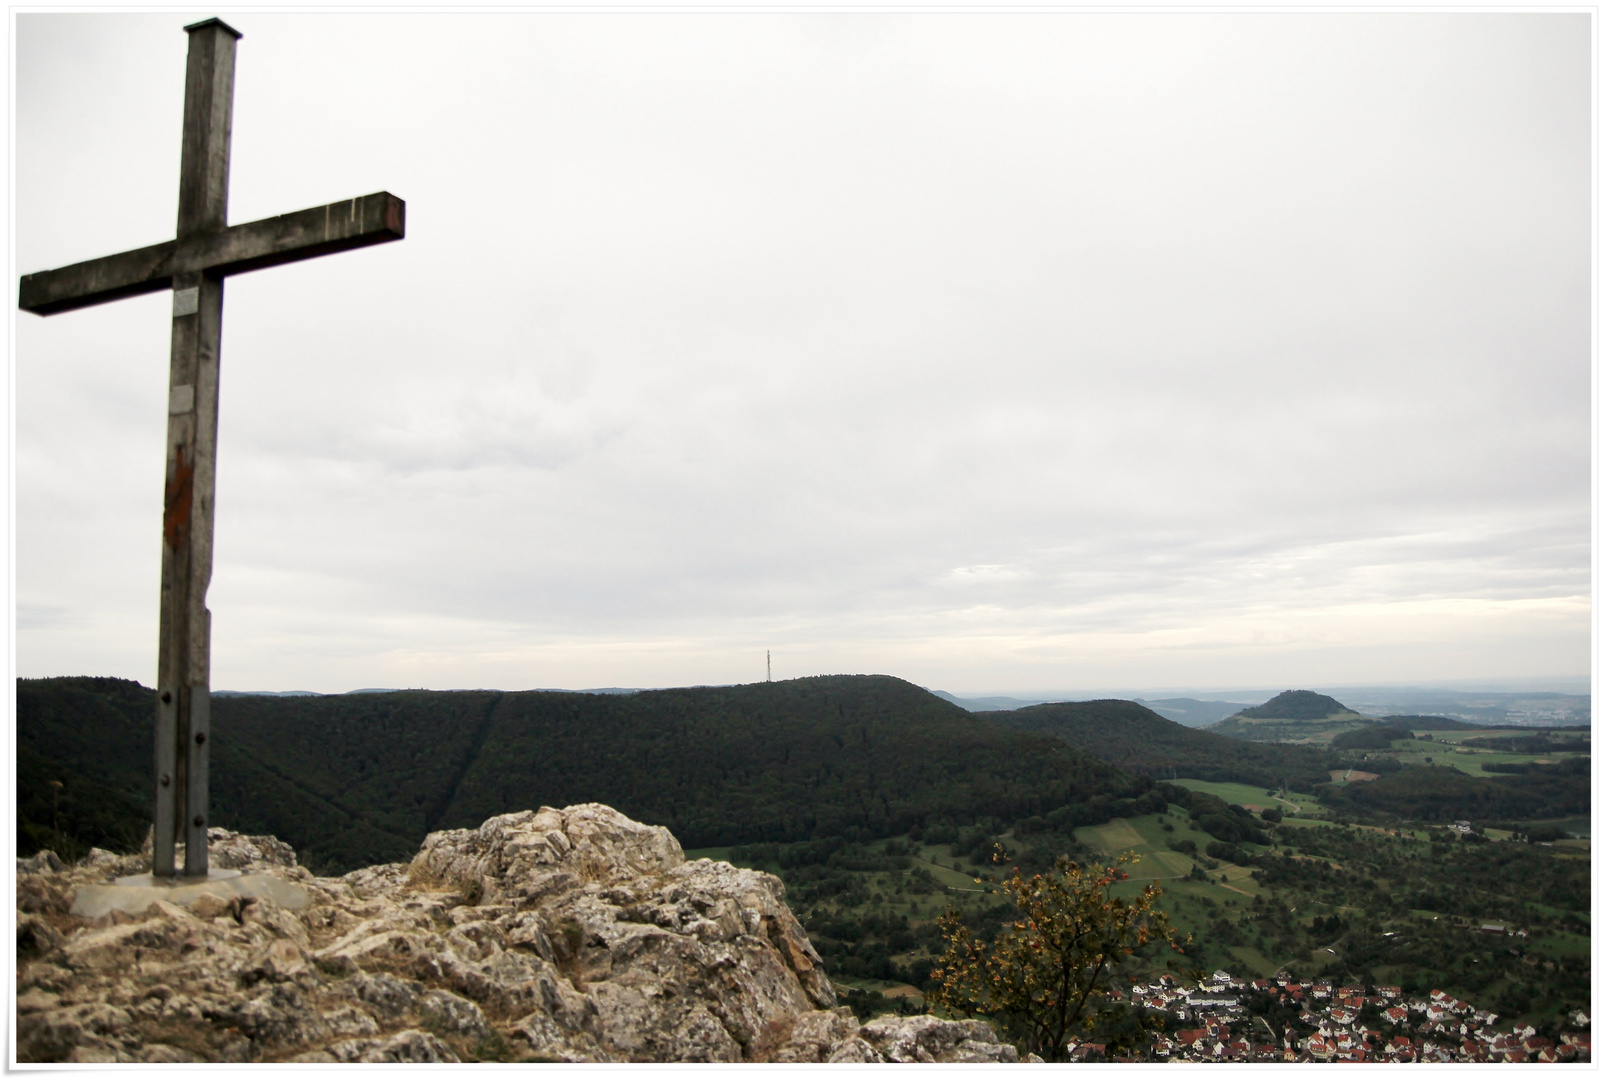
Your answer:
<point x="1429" y="723"/>
<point x="1224" y="821"/>
<point x="93" y="736"/>
<point x="868" y="909"/>
<point x="352" y="780"/>
<point x="1047" y="972"/>
<point x="1295" y="705"/>
<point x="867" y="1004"/>
<point x="1373" y="737"/>
<point x="1132" y="737"/>
<point x="101" y="727"/>
<point x="839" y="756"/>
<point x="69" y="813"/>
<point x="1441" y="794"/>
<point x="1532" y="743"/>
<point x="1400" y="909"/>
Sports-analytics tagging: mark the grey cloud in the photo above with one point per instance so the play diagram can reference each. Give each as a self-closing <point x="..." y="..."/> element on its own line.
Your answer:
<point x="961" y="347"/>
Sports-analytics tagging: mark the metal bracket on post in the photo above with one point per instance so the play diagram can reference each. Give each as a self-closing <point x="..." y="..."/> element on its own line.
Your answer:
<point x="196" y="752"/>
<point x="164" y="827"/>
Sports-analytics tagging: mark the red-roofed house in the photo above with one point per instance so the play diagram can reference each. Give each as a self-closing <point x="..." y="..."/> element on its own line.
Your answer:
<point x="1194" y="1038"/>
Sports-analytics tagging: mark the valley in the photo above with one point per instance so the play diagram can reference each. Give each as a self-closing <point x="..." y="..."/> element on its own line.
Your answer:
<point x="880" y="807"/>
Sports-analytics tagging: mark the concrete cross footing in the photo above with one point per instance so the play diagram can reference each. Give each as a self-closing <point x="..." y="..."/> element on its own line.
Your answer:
<point x="134" y="894"/>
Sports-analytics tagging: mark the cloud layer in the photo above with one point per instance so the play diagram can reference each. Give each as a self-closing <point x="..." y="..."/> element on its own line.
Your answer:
<point x="989" y="351"/>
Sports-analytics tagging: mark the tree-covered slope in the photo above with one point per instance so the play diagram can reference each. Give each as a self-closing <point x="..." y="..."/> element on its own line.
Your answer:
<point x="1295" y="705"/>
<point x="360" y="777"/>
<point x="1372" y="737"/>
<point x="1295" y="716"/>
<point x="61" y="809"/>
<point x="856" y="756"/>
<point x="1429" y="793"/>
<point x="99" y="727"/>
<point x="1429" y="723"/>
<point x="356" y="779"/>
<point x="1133" y="738"/>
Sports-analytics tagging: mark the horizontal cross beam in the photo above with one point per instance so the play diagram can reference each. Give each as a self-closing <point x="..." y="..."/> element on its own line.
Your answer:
<point x="305" y="234"/>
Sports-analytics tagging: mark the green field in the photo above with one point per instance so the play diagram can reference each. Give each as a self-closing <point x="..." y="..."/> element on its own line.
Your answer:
<point x="1561" y="945"/>
<point x="1194" y="904"/>
<point x="1485" y="733"/>
<point x="1447" y="749"/>
<point x="1148" y="839"/>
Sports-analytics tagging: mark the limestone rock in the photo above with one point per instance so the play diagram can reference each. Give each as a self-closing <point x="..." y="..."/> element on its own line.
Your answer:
<point x="42" y="862"/>
<point x="928" y="1039"/>
<point x="546" y="935"/>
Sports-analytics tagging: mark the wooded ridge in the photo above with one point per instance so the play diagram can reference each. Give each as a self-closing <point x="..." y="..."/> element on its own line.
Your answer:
<point x="1133" y="738"/>
<point x="353" y="780"/>
<point x="357" y="779"/>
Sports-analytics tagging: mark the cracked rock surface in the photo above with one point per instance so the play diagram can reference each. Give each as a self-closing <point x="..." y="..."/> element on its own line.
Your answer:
<point x="548" y="935"/>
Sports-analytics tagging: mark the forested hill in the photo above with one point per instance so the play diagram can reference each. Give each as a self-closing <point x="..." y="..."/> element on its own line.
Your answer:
<point x="1295" y="716"/>
<point x="1295" y="705"/>
<point x="356" y="779"/>
<point x="1133" y="738"/>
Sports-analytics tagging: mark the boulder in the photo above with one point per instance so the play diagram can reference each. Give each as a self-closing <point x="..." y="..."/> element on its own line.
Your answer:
<point x="544" y="935"/>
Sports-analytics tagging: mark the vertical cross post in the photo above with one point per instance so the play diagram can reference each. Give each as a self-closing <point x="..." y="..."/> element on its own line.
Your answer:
<point x="193" y="266"/>
<point x="184" y="660"/>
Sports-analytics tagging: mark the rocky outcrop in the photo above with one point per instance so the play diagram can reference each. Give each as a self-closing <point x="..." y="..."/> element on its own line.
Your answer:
<point x="556" y="935"/>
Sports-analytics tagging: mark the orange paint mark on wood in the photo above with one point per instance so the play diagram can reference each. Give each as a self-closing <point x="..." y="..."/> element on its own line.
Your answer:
<point x="179" y="492"/>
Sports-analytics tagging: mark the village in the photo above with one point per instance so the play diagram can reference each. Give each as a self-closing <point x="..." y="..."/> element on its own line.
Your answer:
<point x="1228" y="1019"/>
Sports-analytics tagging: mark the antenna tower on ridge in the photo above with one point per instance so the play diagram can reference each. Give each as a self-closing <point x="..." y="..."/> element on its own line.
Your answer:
<point x="767" y="665"/>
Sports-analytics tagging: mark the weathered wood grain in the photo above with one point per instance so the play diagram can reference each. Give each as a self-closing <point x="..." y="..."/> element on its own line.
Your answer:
<point x="305" y="234"/>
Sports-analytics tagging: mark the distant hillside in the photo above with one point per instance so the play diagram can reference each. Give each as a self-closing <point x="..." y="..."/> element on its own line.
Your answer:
<point x="1133" y="738"/>
<point x="1295" y="705"/>
<point x="1192" y="712"/>
<point x="351" y="780"/>
<point x="1442" y="794"/>
<point x="1430" y="723"/>
<point x="1295" y="716"/>
<point x="1372" y="737"/>
<point x="988" y="704"/>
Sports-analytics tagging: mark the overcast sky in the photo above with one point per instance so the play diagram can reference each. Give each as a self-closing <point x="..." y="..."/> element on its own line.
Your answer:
<point x="995" y="352"/>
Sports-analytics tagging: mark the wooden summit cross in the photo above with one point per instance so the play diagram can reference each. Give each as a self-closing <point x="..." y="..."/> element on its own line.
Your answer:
<point x="194" y="265"/>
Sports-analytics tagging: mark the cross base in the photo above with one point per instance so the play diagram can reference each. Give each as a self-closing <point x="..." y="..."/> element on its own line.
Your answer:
<point x="136" y="893"/>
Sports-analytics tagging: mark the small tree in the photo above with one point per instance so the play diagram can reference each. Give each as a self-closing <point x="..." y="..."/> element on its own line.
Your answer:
<point x="1045" y="974"/>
